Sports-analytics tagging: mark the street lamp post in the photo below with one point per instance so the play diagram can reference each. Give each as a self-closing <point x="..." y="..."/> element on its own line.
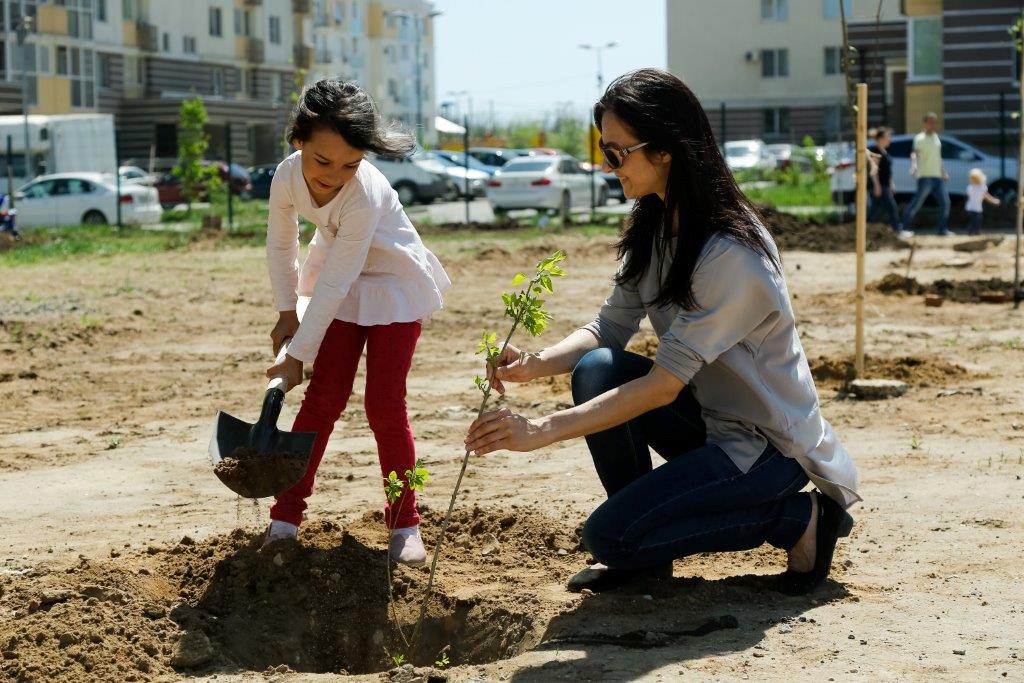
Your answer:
<point x="590" y="124"/>
<point x="418" y="63"/>
<point x="23" y="29"/>
<point x="465" y="145"/>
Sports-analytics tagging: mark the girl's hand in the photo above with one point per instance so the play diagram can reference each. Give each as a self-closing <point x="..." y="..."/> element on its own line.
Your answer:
<point x="287" y="324"/>
<point x="503" y="429"/>
<point x="514" y="365"/>
<point x="291" y="368"/>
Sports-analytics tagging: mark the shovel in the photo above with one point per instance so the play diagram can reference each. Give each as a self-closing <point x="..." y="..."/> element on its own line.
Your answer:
<point x="259" y="460"/>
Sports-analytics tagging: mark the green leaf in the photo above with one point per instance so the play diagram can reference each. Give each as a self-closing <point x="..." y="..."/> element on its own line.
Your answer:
<point x="417" y="477"/>
<point x="517" y="279"/>
<point x="393" y="487"/>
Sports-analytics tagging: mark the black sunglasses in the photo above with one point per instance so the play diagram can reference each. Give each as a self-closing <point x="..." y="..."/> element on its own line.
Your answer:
<point x="616" y="157"/>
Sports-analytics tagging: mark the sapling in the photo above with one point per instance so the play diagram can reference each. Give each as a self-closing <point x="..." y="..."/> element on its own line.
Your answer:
<point x="416" y="478"/>
<point x="523" y="308"/>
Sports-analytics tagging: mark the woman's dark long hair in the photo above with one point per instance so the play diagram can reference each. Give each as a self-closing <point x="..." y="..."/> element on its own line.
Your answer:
<point x="702" y="197"/>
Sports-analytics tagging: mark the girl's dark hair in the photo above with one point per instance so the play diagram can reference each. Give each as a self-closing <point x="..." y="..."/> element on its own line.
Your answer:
<point x="349" y="111"/>
<point x="701" y="198"/>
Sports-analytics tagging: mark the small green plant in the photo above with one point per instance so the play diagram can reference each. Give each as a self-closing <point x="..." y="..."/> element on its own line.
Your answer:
<point x="114" y="443"/>
<point x="523" y="308"/>
<point x="398" y="660"/>
<point x="915" y="442"/>
<point x="442" y="660"/>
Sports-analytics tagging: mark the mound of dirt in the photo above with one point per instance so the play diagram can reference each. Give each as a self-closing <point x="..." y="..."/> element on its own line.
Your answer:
<point x="962" y="291"/>
<point x="914" y="370"/>
<point x="317" y="605"/>
<point x="810" y="234"/>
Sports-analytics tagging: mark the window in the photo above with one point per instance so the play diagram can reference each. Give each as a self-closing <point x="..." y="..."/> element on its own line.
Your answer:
<point x="43" y="61"/>
<point x="167" y="42"/>
<point x="129" y="9"/>
<point x="62" y="60"/>
<point x="275" y="30"/>
<point x="776" y="121"/>
<point x="217" y="81"/>
<point x="774" y="63"/>
<point x="215" y="22"/>
<point x="275" y="88"/>
<point x="925" y="48"/>
<point x="833" y="61"/>
<point x="101" y="10"/>
<point x="105" y="68"/>
<point x="188" y="45"/>
<point x="775" y="10"/>
<point x="251" y="83"/>
<point x="243" y="22"/>
<point x="83" y="80"/>
<point x="830" y="8"/>
<point x="165" y="139"/>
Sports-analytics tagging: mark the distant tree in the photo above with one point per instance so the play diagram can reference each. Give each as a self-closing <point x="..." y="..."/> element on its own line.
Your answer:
<point x="192" y="145"/>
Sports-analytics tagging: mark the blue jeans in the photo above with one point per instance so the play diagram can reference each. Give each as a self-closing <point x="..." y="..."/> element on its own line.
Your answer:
<point x="887" y="203"/>
<point x="925" y="187"/>
<point x="698" y="501"/>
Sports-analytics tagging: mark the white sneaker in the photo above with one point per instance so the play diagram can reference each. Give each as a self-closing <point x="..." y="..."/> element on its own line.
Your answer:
<point x="905" y="234"/>
<point x="406" y="546"/>
<point x="279" y="530"/>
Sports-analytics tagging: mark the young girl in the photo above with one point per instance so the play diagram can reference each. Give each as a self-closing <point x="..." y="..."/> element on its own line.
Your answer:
<point x="370" y="281"/>
<point x="977" y="195"/>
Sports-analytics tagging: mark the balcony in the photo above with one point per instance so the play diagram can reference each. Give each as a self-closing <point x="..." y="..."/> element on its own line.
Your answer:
<point x="302" y="6"/>
<point x="149" y="36"/>
<point x="303" y="56"/>
<point x="254" y="50"/>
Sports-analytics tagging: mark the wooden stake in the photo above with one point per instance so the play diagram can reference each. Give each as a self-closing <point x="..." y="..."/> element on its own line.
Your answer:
<point x="862" y="219"/>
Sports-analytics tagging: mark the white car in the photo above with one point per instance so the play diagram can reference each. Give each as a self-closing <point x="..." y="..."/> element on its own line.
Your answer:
<point x="958" y="158"/>
<point x="77" y="198"/>
<point x="134" y="174"/>
<point x="555" y="182"/>
<point x="411" y="181"/>
<point x="458" y="174"/>
<point x="745" y="155"/>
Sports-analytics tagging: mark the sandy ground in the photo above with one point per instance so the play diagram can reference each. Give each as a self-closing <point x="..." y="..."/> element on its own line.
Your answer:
<point x="112" y="371"/>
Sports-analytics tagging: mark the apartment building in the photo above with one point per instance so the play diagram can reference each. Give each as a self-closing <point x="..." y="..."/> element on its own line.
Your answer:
<point x="138" y="59"/>
<point x="954" y="57"/>
<point x="775" y="65"/>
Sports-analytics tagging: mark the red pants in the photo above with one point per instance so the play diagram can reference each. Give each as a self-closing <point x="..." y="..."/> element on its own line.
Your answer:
<point x="389" y="350"/>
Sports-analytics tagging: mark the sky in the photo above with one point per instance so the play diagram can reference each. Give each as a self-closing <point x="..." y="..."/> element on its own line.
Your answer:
<point x="523" y="57"/>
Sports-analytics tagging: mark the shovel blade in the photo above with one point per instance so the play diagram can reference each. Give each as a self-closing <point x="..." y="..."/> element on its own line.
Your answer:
<point x="279" y="465"/>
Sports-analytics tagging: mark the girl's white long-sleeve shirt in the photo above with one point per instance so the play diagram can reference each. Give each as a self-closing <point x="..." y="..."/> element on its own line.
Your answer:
<point x="366" y="263"/>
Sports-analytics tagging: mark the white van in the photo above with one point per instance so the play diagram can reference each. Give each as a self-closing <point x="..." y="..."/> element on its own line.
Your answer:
<point x="64" y="143"/>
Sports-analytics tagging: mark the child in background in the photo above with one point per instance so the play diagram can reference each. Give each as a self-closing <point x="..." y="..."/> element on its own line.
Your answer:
<point x="977" y="195"/>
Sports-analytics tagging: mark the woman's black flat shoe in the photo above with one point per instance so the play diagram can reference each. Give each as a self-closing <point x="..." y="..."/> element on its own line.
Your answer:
<point x="833" y="522"/>
<point x="601" y="578"/>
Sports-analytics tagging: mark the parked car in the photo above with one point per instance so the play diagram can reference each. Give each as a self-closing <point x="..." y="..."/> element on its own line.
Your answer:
<point x="412" y="182"/>
<point x="134" y="174"/>
<point x="545" y="183"/>
<point x="459" y="159"/>
<point x="958" y="158"/>
<point x="787" y="155"/>
<point x="77" y="198"/>
<point x="235" y="177"/>
<point x="458" y="174"/>
<point x="615" y="190"/>
<point x="260" y="177"/>
<point x="744" y="155"/>
<point x="496" y="156"/>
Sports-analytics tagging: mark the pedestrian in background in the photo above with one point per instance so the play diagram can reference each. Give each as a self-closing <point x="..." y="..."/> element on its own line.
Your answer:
<point x="926" y="166"/>
<point x="977" y="195"/>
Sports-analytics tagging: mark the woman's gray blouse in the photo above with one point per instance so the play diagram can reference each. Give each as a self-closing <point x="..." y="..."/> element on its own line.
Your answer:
<point x="741" y="356"/>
